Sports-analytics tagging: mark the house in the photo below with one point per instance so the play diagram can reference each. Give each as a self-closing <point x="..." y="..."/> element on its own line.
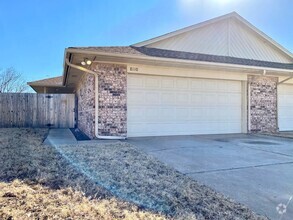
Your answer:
<point x="217" y="77"/>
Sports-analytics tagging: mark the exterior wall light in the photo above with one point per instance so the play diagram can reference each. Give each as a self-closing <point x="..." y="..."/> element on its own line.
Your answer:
<point x="86" y="61"/>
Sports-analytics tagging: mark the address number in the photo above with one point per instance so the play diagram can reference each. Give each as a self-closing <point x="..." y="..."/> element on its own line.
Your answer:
<point x="134" y="69"/>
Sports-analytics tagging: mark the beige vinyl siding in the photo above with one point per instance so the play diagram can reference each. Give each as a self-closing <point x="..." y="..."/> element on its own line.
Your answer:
<point x="202" y="40"/>
<point x="227" y="37"/>
<point x="244" y="43"/>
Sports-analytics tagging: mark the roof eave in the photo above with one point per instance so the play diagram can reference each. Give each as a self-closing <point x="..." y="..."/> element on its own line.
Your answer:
<point x="178" y="61"/>
<point x="53" y="86"/>
<point x="65" y="67"/>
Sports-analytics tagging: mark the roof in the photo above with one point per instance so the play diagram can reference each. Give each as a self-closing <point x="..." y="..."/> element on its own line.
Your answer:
<point x="211" y="21"/>
<point x="131" y="50"/>
<point x="162" y="53"/>
<point x="54" y="81"/>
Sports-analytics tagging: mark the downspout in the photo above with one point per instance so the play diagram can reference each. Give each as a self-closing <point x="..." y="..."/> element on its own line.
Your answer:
<point x="96" y="80"/>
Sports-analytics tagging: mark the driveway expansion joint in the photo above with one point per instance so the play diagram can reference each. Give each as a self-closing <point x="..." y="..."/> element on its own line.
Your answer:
<point x="268" y="151"/>
<point x="238" y="168"/>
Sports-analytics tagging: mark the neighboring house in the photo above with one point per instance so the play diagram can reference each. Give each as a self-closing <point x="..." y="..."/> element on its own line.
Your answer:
<point x="217" y="77"/>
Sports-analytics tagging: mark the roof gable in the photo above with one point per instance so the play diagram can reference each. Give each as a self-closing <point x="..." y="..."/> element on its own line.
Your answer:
<point x="228" y="35"/>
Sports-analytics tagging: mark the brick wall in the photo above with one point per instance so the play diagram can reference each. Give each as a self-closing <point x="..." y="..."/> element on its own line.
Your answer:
<point x="86" y="105"/>
<point x="263" y="104"/>
<point x="112" y="117"/>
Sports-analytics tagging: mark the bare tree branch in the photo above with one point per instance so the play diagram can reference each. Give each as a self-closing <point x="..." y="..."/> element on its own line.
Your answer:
<point x="12" y="81"/>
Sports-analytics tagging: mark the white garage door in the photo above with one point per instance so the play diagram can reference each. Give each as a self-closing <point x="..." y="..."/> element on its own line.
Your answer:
<point x="285" y="103"/>
<point x="160" y="106"/>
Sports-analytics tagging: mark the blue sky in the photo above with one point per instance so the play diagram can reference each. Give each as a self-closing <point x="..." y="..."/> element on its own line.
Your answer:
<point x="35" y="33"/>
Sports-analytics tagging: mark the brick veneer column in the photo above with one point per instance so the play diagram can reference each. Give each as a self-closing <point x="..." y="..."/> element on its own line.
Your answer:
<point x="262" y="104"/>
<point x="85" y="95"/>
<point x="112" y="93"/>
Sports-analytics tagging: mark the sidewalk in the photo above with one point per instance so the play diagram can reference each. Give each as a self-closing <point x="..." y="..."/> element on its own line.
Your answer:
<point x="60" y="137"/>
<point x="65" y="137"/>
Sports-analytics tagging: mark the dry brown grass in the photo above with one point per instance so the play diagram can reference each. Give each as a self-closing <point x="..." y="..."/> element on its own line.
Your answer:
<point x="36" y="182"/>
<point x="113" y="181"/>
<point x="24" y="201"/>
<point x="137" y="177"/>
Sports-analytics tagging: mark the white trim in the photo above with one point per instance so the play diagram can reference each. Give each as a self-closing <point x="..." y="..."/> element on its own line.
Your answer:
<point x="285" y="80"/>
<point x="248" y="107"/>
<point x="244" y="107"/>
<point x="111" y="137"/>
<point x="96" y="105"/>
<point x="278" y="105"/>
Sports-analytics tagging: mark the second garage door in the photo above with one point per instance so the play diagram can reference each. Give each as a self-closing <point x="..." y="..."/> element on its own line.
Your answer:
<point x="159" y="106"/>
<point x="285" y="103"/>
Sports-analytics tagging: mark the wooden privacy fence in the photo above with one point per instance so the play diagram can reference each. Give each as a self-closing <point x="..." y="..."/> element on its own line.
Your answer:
<point x="37" y="110"/>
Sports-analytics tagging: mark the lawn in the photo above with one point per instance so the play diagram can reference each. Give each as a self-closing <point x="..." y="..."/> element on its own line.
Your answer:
<point x="36" y="182"/>
<point x="100" y="181"/>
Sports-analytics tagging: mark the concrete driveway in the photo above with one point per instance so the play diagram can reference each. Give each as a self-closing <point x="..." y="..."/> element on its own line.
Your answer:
<point x="251" y="169"/>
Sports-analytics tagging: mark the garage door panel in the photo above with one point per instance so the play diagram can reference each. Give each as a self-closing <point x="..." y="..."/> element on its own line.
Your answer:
<point x="151" y="98"/>
<point x="210" y="86"/>
<point x="135" y="81"/>
<point x="196" y="99"/>
<point x="284" y="100"/>
<point x="196" y="113"/>
<point x="182" y="114"/>
<point x="167" y="98"/>
<point x="196" y="85"/>
<point x="152" y="83"/>
<point x="135" y="97"/>
<point x="137" y="114"/>
<point x="167" y="83"/>
<point x="285" y="107"/>
<point x="182" y="99"/>
<point x="183" y="106"/>
<point x="182" y="84"/>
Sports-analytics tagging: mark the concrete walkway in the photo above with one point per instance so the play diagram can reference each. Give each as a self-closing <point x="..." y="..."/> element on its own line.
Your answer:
<point x="60" y="137"/>
<point x="253" y="170"/>
<point x="65" y="137"/>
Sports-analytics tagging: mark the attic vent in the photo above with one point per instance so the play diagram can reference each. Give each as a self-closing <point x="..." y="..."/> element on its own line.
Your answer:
<point x="49" y="96"/>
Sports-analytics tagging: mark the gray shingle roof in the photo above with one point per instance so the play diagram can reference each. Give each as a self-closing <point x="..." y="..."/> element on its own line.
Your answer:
<point x="55" y="81"/>
<point x="154" y="52"/>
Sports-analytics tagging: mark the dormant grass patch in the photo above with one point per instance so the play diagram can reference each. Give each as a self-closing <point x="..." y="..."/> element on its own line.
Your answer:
<point x="19" y="200"/>
<point x="108" y="181"/>
<point x="36" y="182"/>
